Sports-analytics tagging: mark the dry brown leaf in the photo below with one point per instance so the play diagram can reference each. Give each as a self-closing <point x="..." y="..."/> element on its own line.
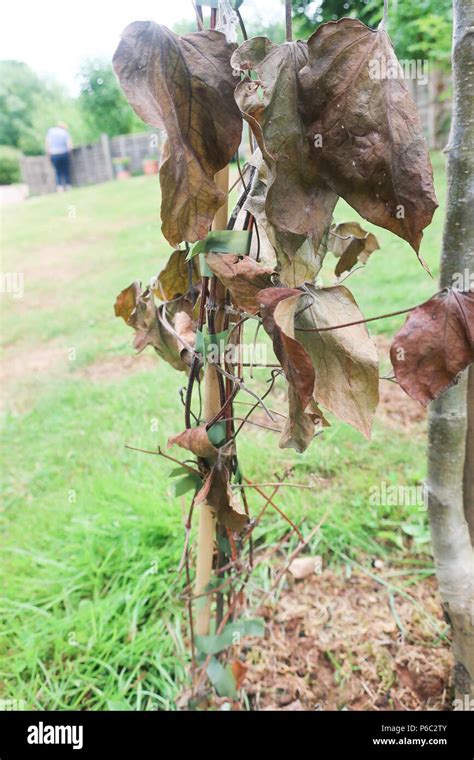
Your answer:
<point x="184" y="327"/>
<point x="303" y="413"/>
<point x="351" y="243"/>
<point x="300" y="425"/>
<point x="186" y="86"/>
<point x="345" y="360"/>
<point x="366" y="137"/>
<point x="196" y="440"/>
<point x="327" y="125"/>
<point x="127" y="300"/>
<point x="434" y="345"/>
<point x="293" y="256"/>
<point x="296" y="363"/>
<point x="238" y="670"/>
<point x="217" y="494"/>
<point x="138" y="310"/>
<point x="177" y="276"/>
<point x="303" y="567"/>
<point x="243" y="277"/>
<point x="298" y="199"/>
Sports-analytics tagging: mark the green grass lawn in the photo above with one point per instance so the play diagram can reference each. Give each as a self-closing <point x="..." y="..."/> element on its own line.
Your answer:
<point x="91" y="535"/>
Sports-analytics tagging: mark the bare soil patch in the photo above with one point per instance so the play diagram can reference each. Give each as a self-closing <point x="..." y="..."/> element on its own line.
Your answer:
<point x="339" y="643"/>
<point x="114" y="368"/>
<point x="22" y="367"/>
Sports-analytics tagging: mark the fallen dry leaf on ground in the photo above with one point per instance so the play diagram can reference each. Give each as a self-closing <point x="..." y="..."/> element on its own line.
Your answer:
<point x="303" y="567"/>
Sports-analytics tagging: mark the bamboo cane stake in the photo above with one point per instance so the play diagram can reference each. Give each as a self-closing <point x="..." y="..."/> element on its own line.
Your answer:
<point x="207" y="526"/>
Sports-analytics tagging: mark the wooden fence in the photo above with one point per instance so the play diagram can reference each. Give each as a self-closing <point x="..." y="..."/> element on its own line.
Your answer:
<point x="93" y="163"/>
<point x="433" y="102"/>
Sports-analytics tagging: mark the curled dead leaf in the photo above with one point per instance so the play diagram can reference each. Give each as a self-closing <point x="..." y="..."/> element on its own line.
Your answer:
<point x="195" y="440"/>
<point x="365" y="134"/>
<point x="186" y="86"/>
<point x="435" y="345"/>
<point x="139" y="311"/>
<point x="301" y="425"/>
<point x="296" y="258"/>
<point x="177" y="277"/>
<point x="297" y="198"/>
<point x="303" y="567"/>
<point x="216" y="492"/>
<point x="344" y="360"/>
<point x="296" y="363"/>
<point x="127" y="300"/>
<point x="350" y="243"/>
<point x="243" y="277"/>
<point x="185" y="330"/>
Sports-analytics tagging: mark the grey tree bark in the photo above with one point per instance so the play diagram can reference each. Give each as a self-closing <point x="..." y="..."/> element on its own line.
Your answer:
<point x="469" y="462"/>
<point x="451" y="445"/>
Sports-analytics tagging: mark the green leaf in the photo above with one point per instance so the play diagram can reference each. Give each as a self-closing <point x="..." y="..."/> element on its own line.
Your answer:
<point x="187" y="483"/>
<point x="217" y="434"/>
<point x="178" y="471"/>
<point x="419" y="533"/>
<point x="232" y="634"/>
<point x="224" y="545"/>
<point x="238" y="477"/>
<point x="222" y="679"/>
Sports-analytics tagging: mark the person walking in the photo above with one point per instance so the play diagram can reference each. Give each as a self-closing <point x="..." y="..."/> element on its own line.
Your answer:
<point x="58" y="148"/>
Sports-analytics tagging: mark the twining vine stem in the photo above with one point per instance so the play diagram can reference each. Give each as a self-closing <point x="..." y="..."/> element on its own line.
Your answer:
<point x="369" y="319"/>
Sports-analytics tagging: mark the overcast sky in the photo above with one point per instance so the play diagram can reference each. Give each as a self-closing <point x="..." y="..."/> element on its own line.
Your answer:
<point x="53" y="36"/>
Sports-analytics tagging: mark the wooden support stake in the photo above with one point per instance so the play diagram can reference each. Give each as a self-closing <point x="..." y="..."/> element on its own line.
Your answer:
<point x="207" y="523"/>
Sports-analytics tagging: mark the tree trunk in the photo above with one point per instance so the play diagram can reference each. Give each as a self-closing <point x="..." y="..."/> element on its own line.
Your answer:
<point x="448" y="419"/>
<point x="469" y="463"/>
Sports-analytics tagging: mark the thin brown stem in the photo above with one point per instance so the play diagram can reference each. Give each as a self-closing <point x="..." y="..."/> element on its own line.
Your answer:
<point x="272" y="503"/>
<point x="160" y="453"/>
<point x="360" y="321"/>
<point x="245" y="421"/>
<point x="270" y="485"/>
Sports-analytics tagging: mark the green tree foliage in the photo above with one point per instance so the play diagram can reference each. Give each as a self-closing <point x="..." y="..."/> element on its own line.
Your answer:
<point x="102" y="103"/>
<point x="419" y="29"/>
<point x="9" y="165"/>
<point x="19" y="88"/>
<point x="308" y="13"/>
<point x="30" y="105"/>
<point x="47" y="111"/>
